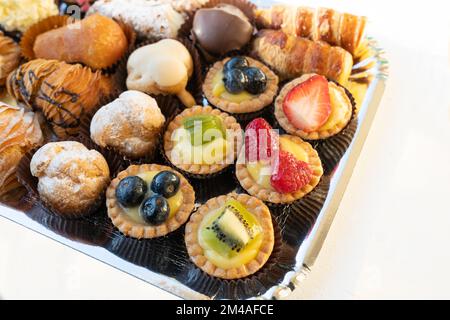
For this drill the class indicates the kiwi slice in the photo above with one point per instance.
(232, 229)
(204, 128)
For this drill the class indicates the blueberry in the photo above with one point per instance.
(131, 191)
(155, 210)
(235, 81)
(257, 80)
(165, 183)
(235, 63)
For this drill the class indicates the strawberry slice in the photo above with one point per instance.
(307, 106)
(261, 140)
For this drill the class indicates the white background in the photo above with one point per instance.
(391, 234)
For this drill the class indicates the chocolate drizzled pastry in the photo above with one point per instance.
(63, 92)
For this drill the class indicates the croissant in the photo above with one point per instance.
(19, 132)
(339, 29)
(291, 56)
(63, 92)
(9, 57)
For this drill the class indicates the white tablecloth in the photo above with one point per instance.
(391, 234)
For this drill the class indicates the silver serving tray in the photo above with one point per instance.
(375, 68)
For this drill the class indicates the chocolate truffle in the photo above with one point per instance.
(222, 29)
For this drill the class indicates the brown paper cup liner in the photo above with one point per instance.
(247, 7)
(195, 83)
(332, 150)
(29, 37)
(169, 256)
(24, 176)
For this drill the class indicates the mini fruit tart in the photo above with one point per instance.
(149, 201)
(202, 141)
(240, 85)
(230, 236)
(277, 169)
(313, 108)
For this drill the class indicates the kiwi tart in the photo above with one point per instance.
(202, 141)
(313, 108)
(240, 85)
(230, 236)
(149, 201)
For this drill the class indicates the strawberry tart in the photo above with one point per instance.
(278, 169)
(313, 108)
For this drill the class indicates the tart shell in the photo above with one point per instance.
(201, 170)
(253, 105)
(253, 188)
(127, 226)
(258, 209)
(315, 135)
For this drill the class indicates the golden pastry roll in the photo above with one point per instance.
(292, 56)
(336, 28)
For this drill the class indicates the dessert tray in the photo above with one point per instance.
(294, 225)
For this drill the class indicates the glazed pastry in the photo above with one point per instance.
(161, 68)
(19, 15)
(338, 29)
(97, 41)
(240, 85)
(313, 108)
(72, 178)
(131, 124)
(63, 92)
(19, 133)
(290, 56)
(277, 169)
(221, 29)
(230, 236)
(150, 19)
(9, 57)
(202, 141)
(149, 201)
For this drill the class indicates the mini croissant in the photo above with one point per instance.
(338, 29)
(291, 56)
(63, 92)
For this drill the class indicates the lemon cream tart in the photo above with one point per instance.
(313, 108)
(149, 201)
(230, 236)
(202, 140)
(240, 85)
(285, 169)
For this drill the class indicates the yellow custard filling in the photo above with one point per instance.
(220, 91)
(339, 107)
(219, 253)
(175, 201)
(184, 152)
(261, 171)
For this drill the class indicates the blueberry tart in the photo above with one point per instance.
(240, 85)
(230, 236)
(149, 201)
